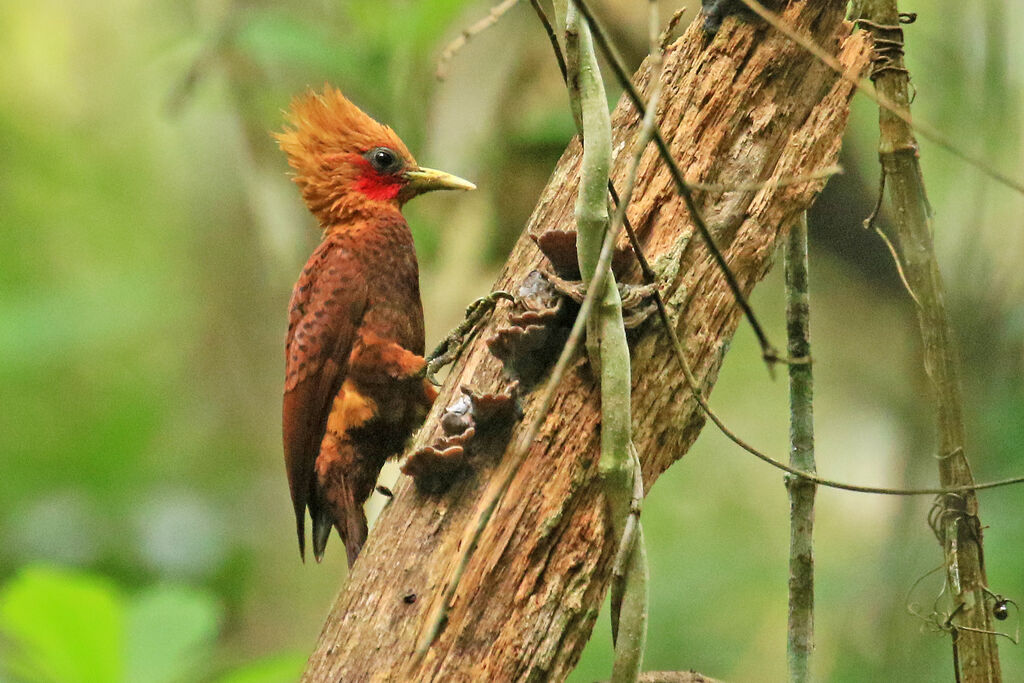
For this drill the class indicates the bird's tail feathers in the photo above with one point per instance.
(323, 520)
(355, 533)
(346, 515)
(300, 529)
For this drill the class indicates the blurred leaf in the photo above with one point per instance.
(62, 626)
(428, 21)
(282, 668)
(396, 24)
(544, 128)
(171, 631)
(271, 37)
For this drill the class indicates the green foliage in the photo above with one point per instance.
(170, 632)
(62, 626)
(273, 37)
(65, 626)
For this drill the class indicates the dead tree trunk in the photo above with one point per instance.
(748, 105)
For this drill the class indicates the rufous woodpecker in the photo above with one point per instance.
(354, 388)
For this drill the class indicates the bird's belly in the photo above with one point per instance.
(398, 412)
(352, 408)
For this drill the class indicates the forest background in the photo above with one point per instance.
(150, 238)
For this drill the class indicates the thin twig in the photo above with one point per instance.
(559, 57)
(923, 129)
(899, 266)
(666, 35)
(452, 48)
(871, 224)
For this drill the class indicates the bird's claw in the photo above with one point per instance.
(485, 304)
(434, 365)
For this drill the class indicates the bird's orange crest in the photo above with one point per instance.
(325, 145)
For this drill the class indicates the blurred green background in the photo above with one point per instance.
(150, 238)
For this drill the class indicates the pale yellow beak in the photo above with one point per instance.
(427, 179)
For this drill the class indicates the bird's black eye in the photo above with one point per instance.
(384, 160)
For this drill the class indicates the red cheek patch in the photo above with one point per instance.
(374, 185)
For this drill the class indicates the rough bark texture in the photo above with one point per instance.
(747, 105)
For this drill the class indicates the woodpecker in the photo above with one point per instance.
(354, 386)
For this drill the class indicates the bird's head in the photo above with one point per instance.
(345, 161)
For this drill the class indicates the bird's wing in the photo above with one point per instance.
(326, 309)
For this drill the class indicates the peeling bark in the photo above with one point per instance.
(749, 105)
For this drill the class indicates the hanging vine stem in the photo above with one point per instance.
(630, 573)
(800, 640)
(607, 346)
(632, 534)
(768, 352)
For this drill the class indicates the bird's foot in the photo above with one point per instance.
(451, 346)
